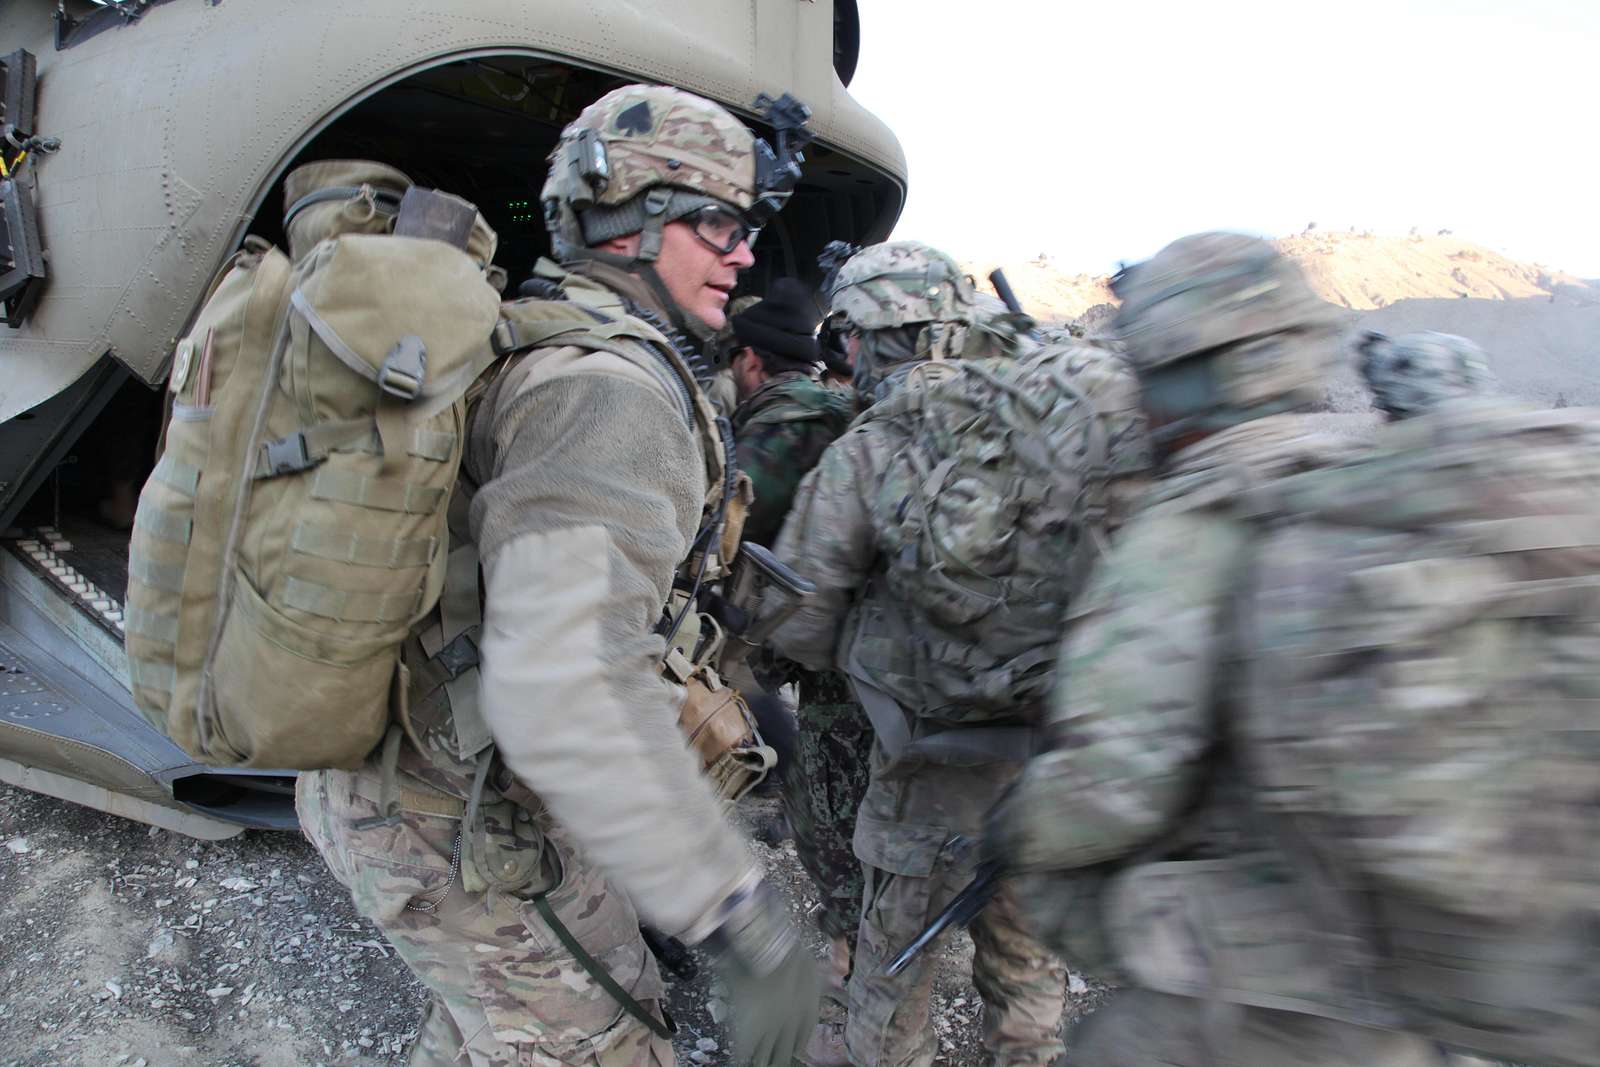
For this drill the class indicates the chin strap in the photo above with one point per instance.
(655, 210)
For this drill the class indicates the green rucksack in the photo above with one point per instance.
(293, 530)
(990, 516)
(1422, 720)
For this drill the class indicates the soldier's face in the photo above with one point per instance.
(748, 373)
(699, 277)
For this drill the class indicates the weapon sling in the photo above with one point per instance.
(597, 971)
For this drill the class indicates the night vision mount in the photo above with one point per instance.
(777, 173)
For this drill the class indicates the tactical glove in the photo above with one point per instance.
(771, 979)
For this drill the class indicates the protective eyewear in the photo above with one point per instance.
(720, 229)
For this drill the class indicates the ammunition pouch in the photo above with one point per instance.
(719, 727)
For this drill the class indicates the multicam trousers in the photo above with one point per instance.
(504, 990)
(822, 792)
(1021, 983)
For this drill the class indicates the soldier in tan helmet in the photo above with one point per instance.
(546, 800)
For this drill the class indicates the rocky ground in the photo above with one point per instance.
(126, 946)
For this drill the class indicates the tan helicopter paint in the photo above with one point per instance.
(173, 128)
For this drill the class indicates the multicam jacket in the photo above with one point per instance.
(1236, 818)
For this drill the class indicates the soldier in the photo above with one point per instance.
(906, 304)
(1411, 374)
(1305, 790)
(785, 417)
(784, 420)
(543, 792)
(723, 391)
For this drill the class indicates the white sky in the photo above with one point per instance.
(1099, 131)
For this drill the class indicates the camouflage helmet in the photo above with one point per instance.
(644, 155)
(1229, 326)
(901, 283)
(1410, 374)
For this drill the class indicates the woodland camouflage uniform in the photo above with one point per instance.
(544, 777)
(781, 430)
(917, 818)
(1145, 845)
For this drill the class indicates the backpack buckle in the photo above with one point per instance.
(504, 338)
(404, 368)
(287, 455)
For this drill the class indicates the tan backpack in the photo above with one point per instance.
(293, 530)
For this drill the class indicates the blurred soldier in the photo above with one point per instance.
(951, 709)
(785, 416)
(1310, 789)
(723, 392)
(1411, 374)
(543, 791)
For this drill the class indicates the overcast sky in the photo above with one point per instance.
(1099, 131)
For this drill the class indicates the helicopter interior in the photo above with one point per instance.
(480, 128)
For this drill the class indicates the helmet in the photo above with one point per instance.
(899, 283)
(643, 155)
(910, 302)
(1223, 328)
(1410, 374)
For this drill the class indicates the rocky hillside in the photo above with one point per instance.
(1541, 327)
(1355, 270)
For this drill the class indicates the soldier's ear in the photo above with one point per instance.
(626, 245)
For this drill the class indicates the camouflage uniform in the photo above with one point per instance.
(917, 818)
(541, 744)
(822, 792)
(1133, 813)
(781, 430)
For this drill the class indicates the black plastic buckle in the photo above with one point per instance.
(288, 455)
(459, 655)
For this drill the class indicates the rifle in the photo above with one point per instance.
(760, 594)
(1003, 290)
(1008, 297)
(962, 910)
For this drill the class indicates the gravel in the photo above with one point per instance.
(129, 946)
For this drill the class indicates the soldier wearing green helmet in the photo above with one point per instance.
(542, 801)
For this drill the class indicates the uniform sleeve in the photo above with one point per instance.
(1132, 716)
(599, 489)
(828, 538)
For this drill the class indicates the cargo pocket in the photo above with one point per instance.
(330, 696)
(385, 866)
(542, 999)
